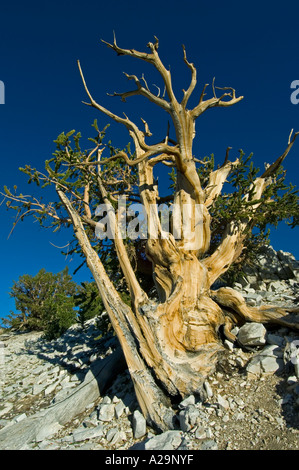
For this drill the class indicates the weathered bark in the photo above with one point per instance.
(229, 298)
(153, 402)
(170, 345)
(176, 341)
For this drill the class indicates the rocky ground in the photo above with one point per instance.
(250, 402)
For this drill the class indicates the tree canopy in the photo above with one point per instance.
(44, 302)
(51, 303)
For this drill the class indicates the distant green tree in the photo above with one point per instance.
(59, 315)
(44, 302)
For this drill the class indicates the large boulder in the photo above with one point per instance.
(252, 334)
(267, 361)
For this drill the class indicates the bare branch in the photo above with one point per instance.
(147, 131)
(125, 121)
(213, 87)
(145, 82)
(272, 168)
(144, 92)
(203, 93)
(86, 201)
(226, 155)
(183, 120)
(217, 179)
(161, 158)
(60, 247)
(159, 91)
(289, 140)
(192, 85)
(152, 58)
(215, 102)
(137, 294)
(154, 150)
(107, 290)
(156, 45)
(129, 52)
(86, 197)
(233, 235)
(150, 150)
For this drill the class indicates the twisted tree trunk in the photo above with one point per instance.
(172, 345)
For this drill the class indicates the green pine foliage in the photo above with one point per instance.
(279, 203)
(58, 315)
(44, 302)
(51, 303)
(73, 169)
(89, 302)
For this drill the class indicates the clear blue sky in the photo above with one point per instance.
(251, 46)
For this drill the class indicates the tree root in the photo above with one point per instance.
(237, 311)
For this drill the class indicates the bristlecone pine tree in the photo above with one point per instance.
(171, 343)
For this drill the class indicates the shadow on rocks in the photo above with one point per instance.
(288, 390)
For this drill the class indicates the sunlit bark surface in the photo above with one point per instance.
(173, 344)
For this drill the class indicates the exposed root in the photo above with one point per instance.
(228, 326)
(229, 298)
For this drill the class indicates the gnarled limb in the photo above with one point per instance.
(173, 342)
(227, 252)
(275, 165)
(153, 402)
(138, 296)
(231, 245)
(152, 58)
(215, 101)
(229, 298)
(192, 85)
(183, 119)
(217, 179)
(143, 91)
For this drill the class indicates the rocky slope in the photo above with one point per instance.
(251, 402)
